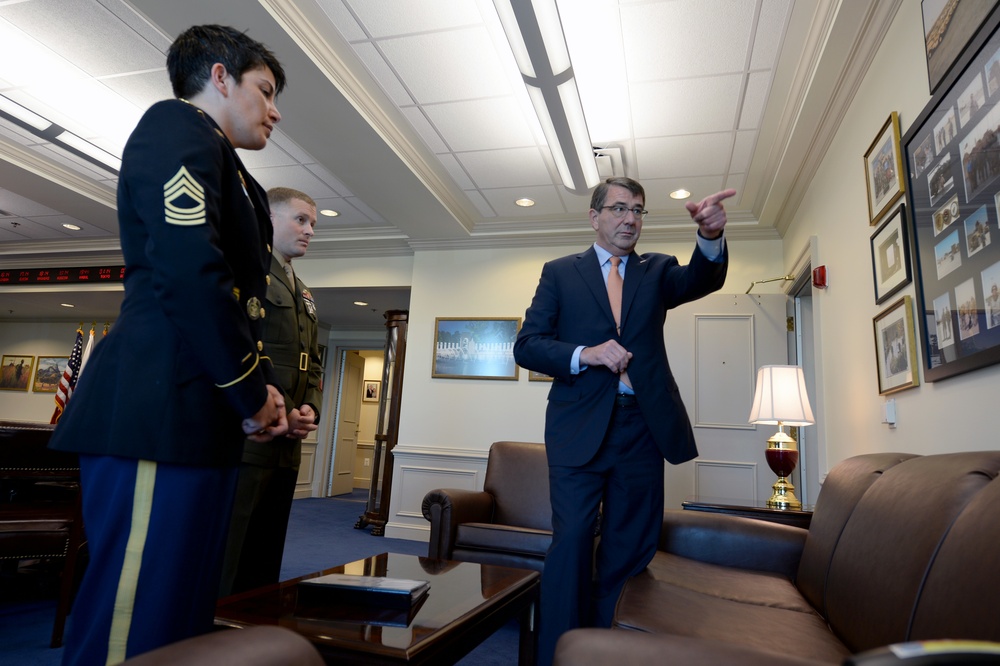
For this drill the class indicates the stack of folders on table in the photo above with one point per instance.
(377, 591)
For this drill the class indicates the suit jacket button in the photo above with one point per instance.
(267, 279)
(262, 313)
(260, 346)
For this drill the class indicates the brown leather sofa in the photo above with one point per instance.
(257, 646)
(508, 523)
(901, 548)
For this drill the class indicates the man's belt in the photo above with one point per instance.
(625, 400)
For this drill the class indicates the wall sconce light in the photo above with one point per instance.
(536, 37)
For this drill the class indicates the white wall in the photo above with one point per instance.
(472, 414)
(944, 416)
(35, 339)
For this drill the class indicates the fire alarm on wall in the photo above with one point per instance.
(819, 277)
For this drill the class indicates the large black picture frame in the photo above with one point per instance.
(951, 157)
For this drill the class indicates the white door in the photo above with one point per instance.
(348, 425)
(715, 346)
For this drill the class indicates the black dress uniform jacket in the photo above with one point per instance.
(183, 364)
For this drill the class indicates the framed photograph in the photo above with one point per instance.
(953, 206)
(475, 347)
(890, 256)
(948, 27)
(48, 372)
(535, 376)
(896, 348)
(16, 372)
(884, 170)
(371, 391)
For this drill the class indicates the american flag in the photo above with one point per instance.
(68, 381)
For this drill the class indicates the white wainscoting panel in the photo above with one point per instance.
(303, 484)
(724, 479)
(725, 370)
(418, 470)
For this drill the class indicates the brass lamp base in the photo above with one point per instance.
(784, 495)
(782, 456)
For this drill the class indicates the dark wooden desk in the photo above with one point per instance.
(466, 604)
(750, 509)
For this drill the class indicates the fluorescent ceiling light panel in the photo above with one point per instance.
(89, 149)
(27, 116)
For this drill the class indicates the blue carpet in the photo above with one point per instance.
(321, 534)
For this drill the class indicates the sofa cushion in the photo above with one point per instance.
(890, 544)
(663, 608)
(743, 585)
(958, 600)
(487, 536)
(846, 483)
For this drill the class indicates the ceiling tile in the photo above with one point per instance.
(296, 177)
(483, 124)
(758, 85)
(385, 18)
(55, 224)
(142, 89)
(270, 156)
(341, 17)
(22, 206)
(506, 168)
(448, 66)
(70, 28)
(456, 171)
(670, 40)
(675, 156)
(658, 191)
(770, 33)
(387, 78)
(546, 198)
(427, 132)
(665, 108)
(743, 151)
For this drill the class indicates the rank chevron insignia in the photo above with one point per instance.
(184, 199)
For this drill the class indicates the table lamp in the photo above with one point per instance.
(780, 399)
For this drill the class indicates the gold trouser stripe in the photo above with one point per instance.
(142, 504)
(242, 377)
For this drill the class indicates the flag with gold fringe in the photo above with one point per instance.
(68, 380)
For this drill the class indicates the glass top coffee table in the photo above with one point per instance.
(466, 603)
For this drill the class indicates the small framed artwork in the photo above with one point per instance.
(16, 372)
(884, 170)
(535, 376)
(896, 347)
(48, 372)
(371, 391)
(475, 347)
(948, 27)
(890, 257)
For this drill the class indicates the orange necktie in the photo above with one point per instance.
(615, 285)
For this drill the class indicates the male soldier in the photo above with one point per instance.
(269, 470)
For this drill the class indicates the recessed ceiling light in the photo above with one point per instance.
(72, 227)
(680, 194)
(67, 305)
(329, 212)
(362, 303)
(525, 202)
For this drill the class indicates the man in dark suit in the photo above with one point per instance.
(614, 410)
(270, 470)
(160, 416)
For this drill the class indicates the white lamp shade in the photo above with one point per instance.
(780, 397)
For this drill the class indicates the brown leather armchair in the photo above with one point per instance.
(508, 523)
(257, 646)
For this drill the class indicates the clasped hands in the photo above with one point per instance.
(610, 354)
(270, 421)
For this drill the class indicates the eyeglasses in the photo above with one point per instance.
(620, 211)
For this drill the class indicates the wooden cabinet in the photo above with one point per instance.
(387, 427)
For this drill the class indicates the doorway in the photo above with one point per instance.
(347, 441)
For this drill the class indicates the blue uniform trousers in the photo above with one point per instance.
(625, 481)
(156, 534)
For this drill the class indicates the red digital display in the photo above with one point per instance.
(62, 275)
